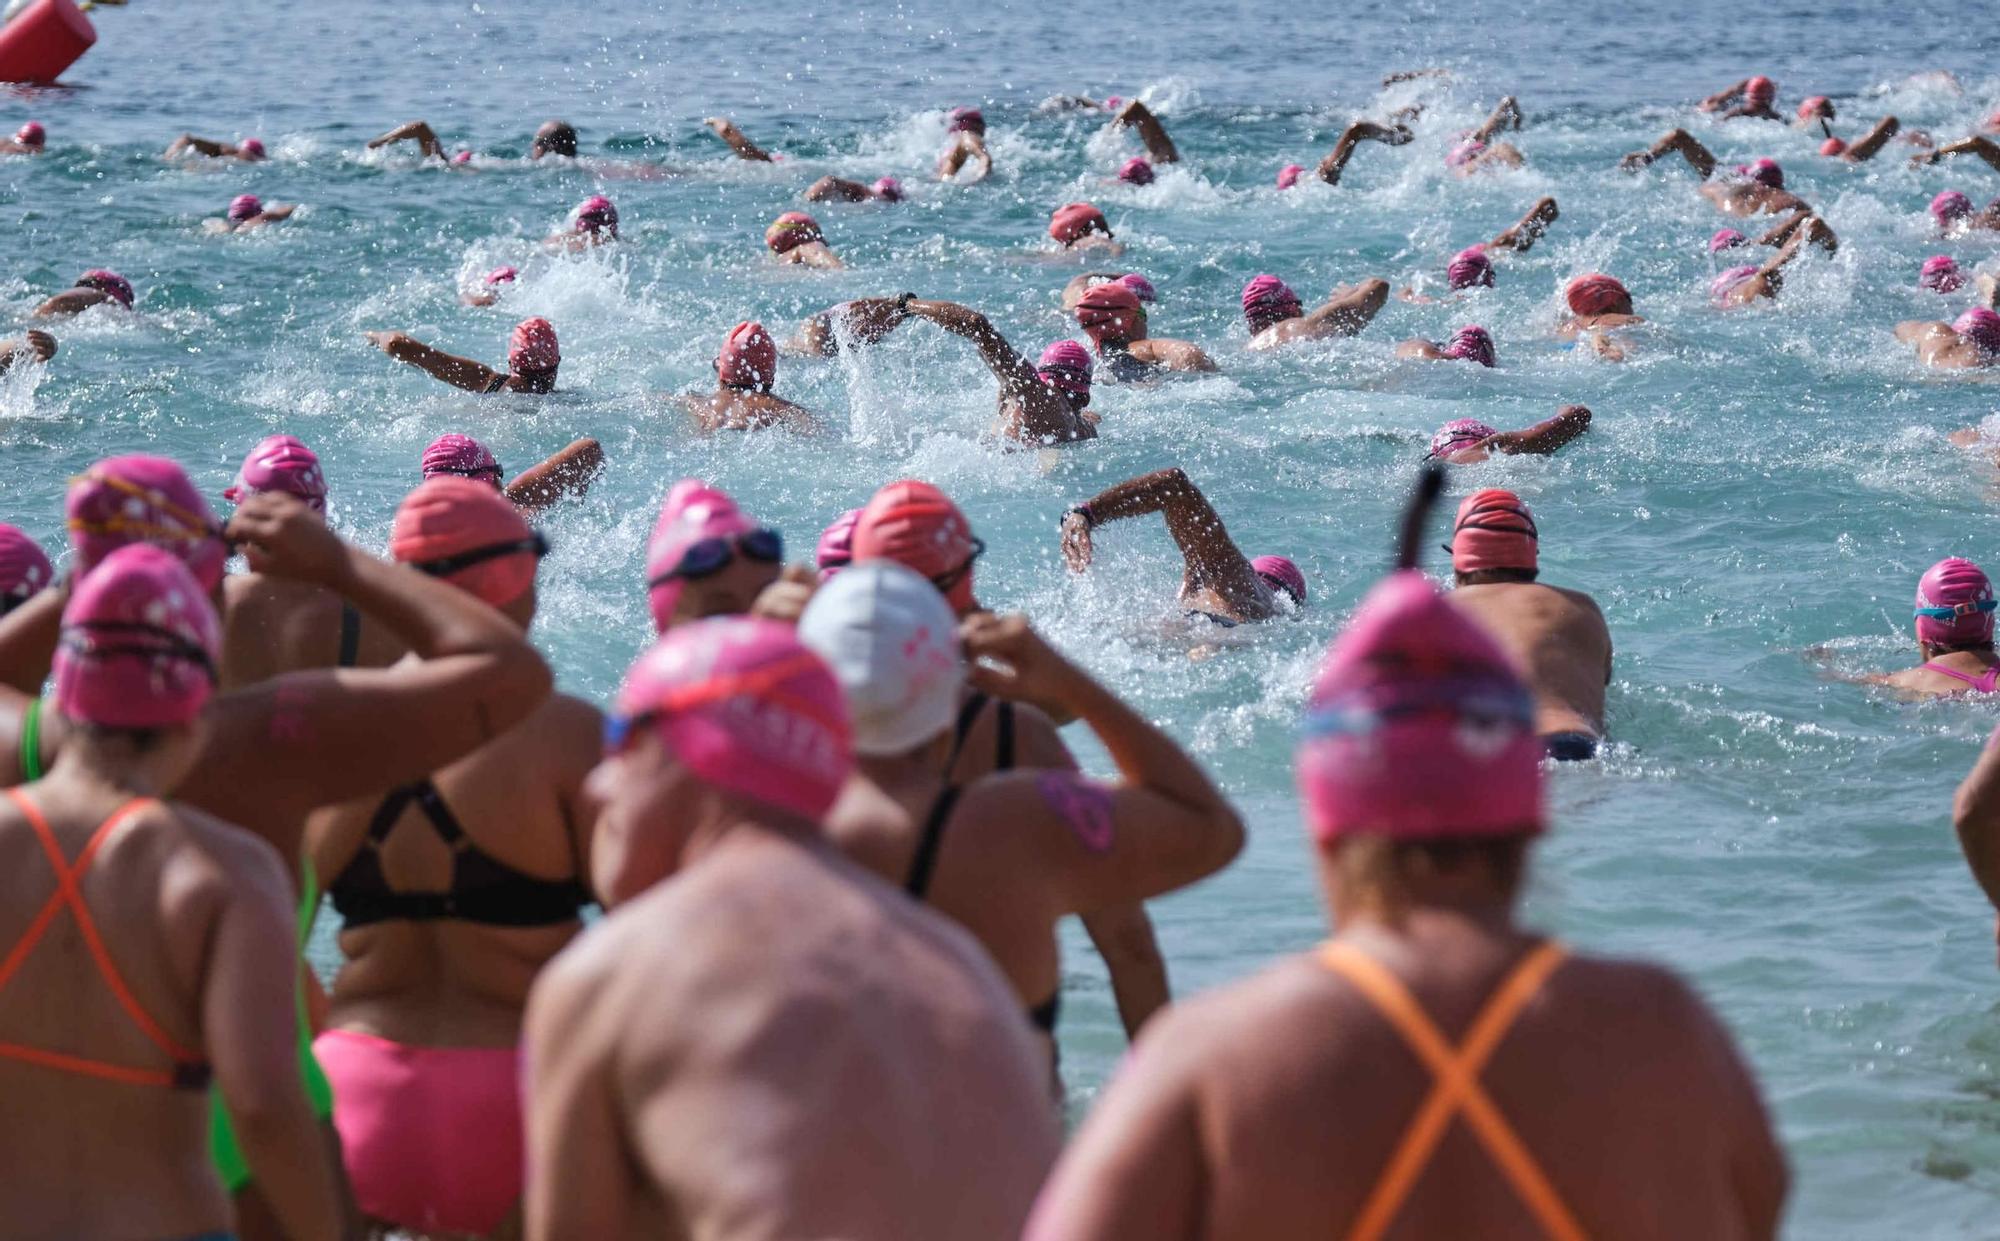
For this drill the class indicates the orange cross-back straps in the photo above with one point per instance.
(1457, 1089)
(190, 1070)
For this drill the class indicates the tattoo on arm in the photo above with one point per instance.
(1081, 804)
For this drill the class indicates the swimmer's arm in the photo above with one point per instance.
(30, 346)
(1978, 144)
(1506, 115)
(1913, 331)
(418, 131)
(28, 638)
(1411, 75)
(1353, 136)
(1349, 310)
(1525, 232)
(725, 129)
(1123, 936)
(452, 369)
(1724, 96)
(1599, 342)
(567, 474)
(1211, 557)
(1016, 377)
(578, 1184)
(1976, 818)
(1698, 156)
(70, 302)
(200, 146)
(1772, 273)
(1544, 437)
(1876, 139)
(1425, 349)
(1158, 145)
(836, 189)
(271, 215)
(1176, 355)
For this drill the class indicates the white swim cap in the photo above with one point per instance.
(892, 642)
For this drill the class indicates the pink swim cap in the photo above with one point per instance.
(966, 121)
(140, 499)
(1459, 433)
(1494, 530)
(461, 157)
(1268, 300)
(1810, 106)
(1941, 274)
(1595, 293)
(744, 707)
(251, 148)
(1289, 175)
(1111, 102)
(1760, 89)
(836, 545)
(1073, 222)
(790, 231)
(139, 643)
(1763, 172)
(1110, 310)
(109, 283)
(463, 456)
(1141, 287)
(1473, 344)
(244, 207)
(24, 568)
(693, 511)
(469, 535)
(1281, 573)
(31, 134)
(1982, 327)
(595, 214)
(280, 463)
(749, 358)
(1418, 728)
(918, 526)
(1724, 286)
(1832, 147)
(1066, 367)
(1954, 605)
(533, 349)
(1136, 171)
(501, 275)
(1469, 267)
(1726, 239)
(888, 189)
(1951, 205)
(1463, 153)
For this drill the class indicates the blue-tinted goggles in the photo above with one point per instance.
(710, 556)
(1956, 610)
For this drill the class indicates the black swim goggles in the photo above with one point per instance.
(445, 566)
(481, 473)
(950, 578)
(106, 639)
(707, 557)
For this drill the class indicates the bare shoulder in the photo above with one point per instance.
(237, 858)
(1648, 999)
(575, 717)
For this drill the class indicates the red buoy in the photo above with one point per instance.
(42, 40)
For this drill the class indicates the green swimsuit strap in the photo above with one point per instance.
(31, 742)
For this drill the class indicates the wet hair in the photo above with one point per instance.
(557, 138)
(1375, 870)
(1488, 577)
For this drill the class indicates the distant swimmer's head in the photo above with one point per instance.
(1595, 293)
(1816, 107)
(1066, 367)
(1726, 239)
(892, 643)
(245, 207)
(1268, 300)
(1833, 148)
(1289, 175)
(554, 138)
(139, 644)
(1760, 91)
(501, 275)
(888, 189)
(1073, 222)
(1463, 153)
(1495, 534)
(251, 148)
(1954, 608)
(791, 230)
(1471, 344)
(109, 283)
(1110, 314)
(473, 537)
(1136, 171)
(1982, 327)
(595, 215)
(1764, 172)
(917, 525)
(25, 570)
(1282, 573)
(1469, 268)
(1418, 729)
(280, 463)
(706, 556)
(1458, 435)
(1941, 274)
(1722, 289)
(1950, 207)
(32, 135)
(142, 499)
(965, 121)
(533, 353)
(835, 550)
(463, 456)
(1141, 287)
(749, 359)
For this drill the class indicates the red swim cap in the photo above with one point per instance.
(446, 518)
(1833, 148)
(917, 525)
(1072, 223)
(749, 358)
(1595, 293)
(1111, 310)
(792, 230)
(1494, 530)
(1760, 90)
(533, 349)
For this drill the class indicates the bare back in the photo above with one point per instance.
(275, 625)
(733, 410)
(1560, 641)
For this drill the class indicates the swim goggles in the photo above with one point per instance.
(947, 580)
(706, 557)
(1955, 610)
(447, 565)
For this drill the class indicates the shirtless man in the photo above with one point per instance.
(1276, 316)
(1479, 153)
(247, 213)
(1467, 441)
(30, 139)
(795, 237)
(1954, 621)
(1321, 1098)
(1219, 583)
(533, 357)
(1757, 95)
(112, 1139)
(1473, 266)
(97, 287)
(1111, 315)
(1599, 305)
(592, 224)
(250, 150)
(567, 474)
(838, 190)
(965, 130)
(1556, 637)
(702, 1062)
(1971, 341)
(1755, 188)
(1467, 344)
(31, 347)
(1081, 226)
(1038, 405)
(1335, 161)
(1160, 148)
(707, 557)
(742, 401)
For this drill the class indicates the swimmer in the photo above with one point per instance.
(1311, 1100)
(1288, 176)
(725, 129)
(30, 139)
(1160, 148)
(1746, 283)
(420, 133)
(966, 130)
(1468, 441)
(1219, 584)
(1757, 95)
(707, 557)
(452, 892)
(1008, 855)
(1136, 171)
(98, 287)
(250, 150)
(592, 224)
(491, 286)
(1599, 305)
(744, 372)
(1477, 152)
(1112, 316)
(1073, 292)
(1978, 144)
(1969, 342)
(195, 913)
(836, 190)
(1354, 135)
(728, 744)
(795, 237)
(533, 357)
(566, 475)
(1467, 344)
(1755, 188)
(1473, 266)
(32, 347)
(24, 568)
(1277, 317)
(1081, 226)
(1976, 819)
(1867, 147)
(1815, 110)
(248, 212)
(1955, 214)
(1039, 405)
(863, 321)
(1941, 274)
(557, 138)
(1954, 620)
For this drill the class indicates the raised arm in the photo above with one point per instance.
(837, 190)
(1816, 231)
(452, 369)
(1525, 232)
(1698, 156)
(1978, 144)
(1010, 368)
(28, 638)
(1874, 140)
(414, 131)
(567, 474)
(30, 346)
(725, 129)
(1351, 308)
(1544, 437)
(1724, 97)
(1211, 557)
(1335, 162)
(863, 321)
(188, 142)
(1158, 145)
(1506, 115)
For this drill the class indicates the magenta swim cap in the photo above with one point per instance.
(888, 189)
(1726, 239)
(280, 463)
(1982, 327)
(1268, 300)
(1760, 89)
(1810, 106)
(462, 455)
(141, 499)
(501, 275)
(965, 120)
(1954, 605)
(693, 511)
(1459, 433)
(596, 214)
(1833, 147)
(1469, 267)
(109, 283)
(1281, 573)
(1950, 205)
(251, 147)
(1471, 344)
(139, 642)
(836, 545)
(31, 134)
(744, 707)
(1464, 153)
(1418, 728)
(24, 568)
(1941, 274)
(1763, 172)
(1289, 175)
(1141, 287)
(1066, 367)
(1725, 285)
(1136, 171)
(244, 207)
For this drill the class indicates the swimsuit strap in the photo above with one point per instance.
(443, 821)
(1044, 1016)
(31, 742)
(1984, 684)
(1457, 1088)
(925, 860)
(350, 635)
(961, 731)
(190, 1069)
(1003, 724)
